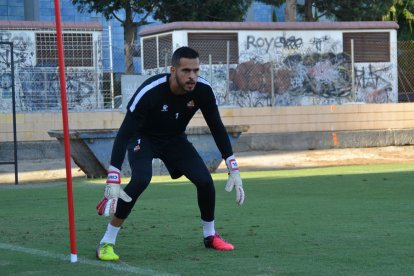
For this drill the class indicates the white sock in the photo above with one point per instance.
(110, 234)
(208, 228)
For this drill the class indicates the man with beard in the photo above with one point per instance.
(154, 125)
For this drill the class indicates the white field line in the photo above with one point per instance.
(109, 265)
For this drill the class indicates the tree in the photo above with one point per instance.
(362, 10)
(111, 9)
(290, 7)
(290, 11)
(165, 10)
(276, 3)
(207, 10)
(310, 12)
(337, 10)
(402, 12)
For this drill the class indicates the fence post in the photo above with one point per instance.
(158, 53)
(352, 72)
(272, 84)
(227, 96)
(15, 161)
(210, 67)
(166, 62)
(16, 170)
(111, 66)
(97, 73)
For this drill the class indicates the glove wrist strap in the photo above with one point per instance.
(114, 176)
(232, 164)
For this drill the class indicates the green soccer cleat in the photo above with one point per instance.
(105, 252)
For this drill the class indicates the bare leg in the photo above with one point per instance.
(117, 222)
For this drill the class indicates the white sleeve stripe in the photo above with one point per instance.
(207, 83)
(144, 90)
(203, 81)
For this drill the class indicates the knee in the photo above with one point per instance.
(206, 185)
(134, 189)
(137, 185)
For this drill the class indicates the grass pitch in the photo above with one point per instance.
(355, 220)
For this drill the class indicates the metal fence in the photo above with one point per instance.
(406, 71)
(297, 74)
(239, 79)
(90, 76)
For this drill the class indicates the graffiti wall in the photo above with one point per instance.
(308, 68)
(291, 67)
(37, 87)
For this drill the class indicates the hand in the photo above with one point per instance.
(234, 179)
(113, 191)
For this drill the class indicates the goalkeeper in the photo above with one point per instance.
(154, 125)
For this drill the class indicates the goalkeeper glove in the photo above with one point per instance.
(234, 179)
(113, 191)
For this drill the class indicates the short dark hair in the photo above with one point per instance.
(183, 52)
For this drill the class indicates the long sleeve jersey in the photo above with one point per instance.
(154, 110)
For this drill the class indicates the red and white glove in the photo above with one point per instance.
(113, 191)
(234, 179)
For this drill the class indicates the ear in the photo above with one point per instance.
(172, 69)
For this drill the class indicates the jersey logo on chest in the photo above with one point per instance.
(164, 108)
(190, 105)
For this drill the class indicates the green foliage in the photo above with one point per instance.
(402, 12)
(207, 10)
(274, 16)
(362, 10)
(276, 3)
(110, 8)
(169, 10)
(339, 10)
(354, 220)
(164, 10)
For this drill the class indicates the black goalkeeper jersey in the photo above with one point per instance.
(154, 110)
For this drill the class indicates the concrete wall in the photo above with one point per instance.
(353, 117)
(281, 128)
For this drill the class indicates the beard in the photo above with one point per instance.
(187, 86)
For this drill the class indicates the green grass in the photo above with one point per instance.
(355, 220)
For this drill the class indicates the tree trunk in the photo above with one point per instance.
(290, 11)
(308, 11)
(129, 39)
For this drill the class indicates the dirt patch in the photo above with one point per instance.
(323, 158)
(38, 171)
(50, 170)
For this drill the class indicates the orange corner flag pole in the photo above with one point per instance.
(61, 62)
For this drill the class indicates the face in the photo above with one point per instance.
(184, 76)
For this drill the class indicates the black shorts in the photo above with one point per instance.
(178, 154)
(180, 158)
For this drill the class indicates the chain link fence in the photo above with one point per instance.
(298, 75)
(405, 71)
(6, 76)
(255, 79)
(91, 82)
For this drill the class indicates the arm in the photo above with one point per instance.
(125, 132)
(113, 191)
(212, 116)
